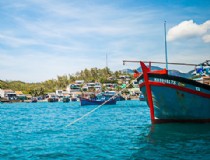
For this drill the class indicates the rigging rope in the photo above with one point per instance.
(85, 115)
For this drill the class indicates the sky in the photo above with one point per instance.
(41, 39)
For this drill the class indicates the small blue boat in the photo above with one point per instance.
(95, 101)
(141, 97)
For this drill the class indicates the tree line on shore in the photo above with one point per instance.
(61, 82)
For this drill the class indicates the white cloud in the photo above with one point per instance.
(206, 38)
(189, 29)
(16, 41)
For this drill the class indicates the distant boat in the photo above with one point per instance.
(66, 99)
(34, 100)
(175, 99)
(141, 97)
(109, 94)
(73, 99)
(53, 99)
(95, 101)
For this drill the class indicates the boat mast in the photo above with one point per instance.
(166, 56)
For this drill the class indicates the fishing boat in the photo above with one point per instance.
(66, 99)
(34, 100)
(173, 98)
(73, 99)
(141, 97)
(97, 101)
(52, 99)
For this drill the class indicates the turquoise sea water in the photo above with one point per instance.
(122, 131)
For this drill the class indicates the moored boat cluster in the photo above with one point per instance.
(76, 91)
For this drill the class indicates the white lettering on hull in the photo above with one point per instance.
(168, 81)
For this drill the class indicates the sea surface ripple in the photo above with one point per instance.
(123, 131)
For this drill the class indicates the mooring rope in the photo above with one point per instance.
(85, 115)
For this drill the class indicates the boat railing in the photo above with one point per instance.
(150, 62)
(205, 66)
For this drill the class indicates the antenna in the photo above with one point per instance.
(166, 56)
(106, 61)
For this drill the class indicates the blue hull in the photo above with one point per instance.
(97, 102)
(173, 104)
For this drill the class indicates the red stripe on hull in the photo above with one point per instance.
(148, 90)
(177, 87)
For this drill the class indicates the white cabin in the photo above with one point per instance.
(8, 93)
(73, 88)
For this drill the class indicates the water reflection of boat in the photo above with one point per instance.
(177, 132)
(173, 141)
